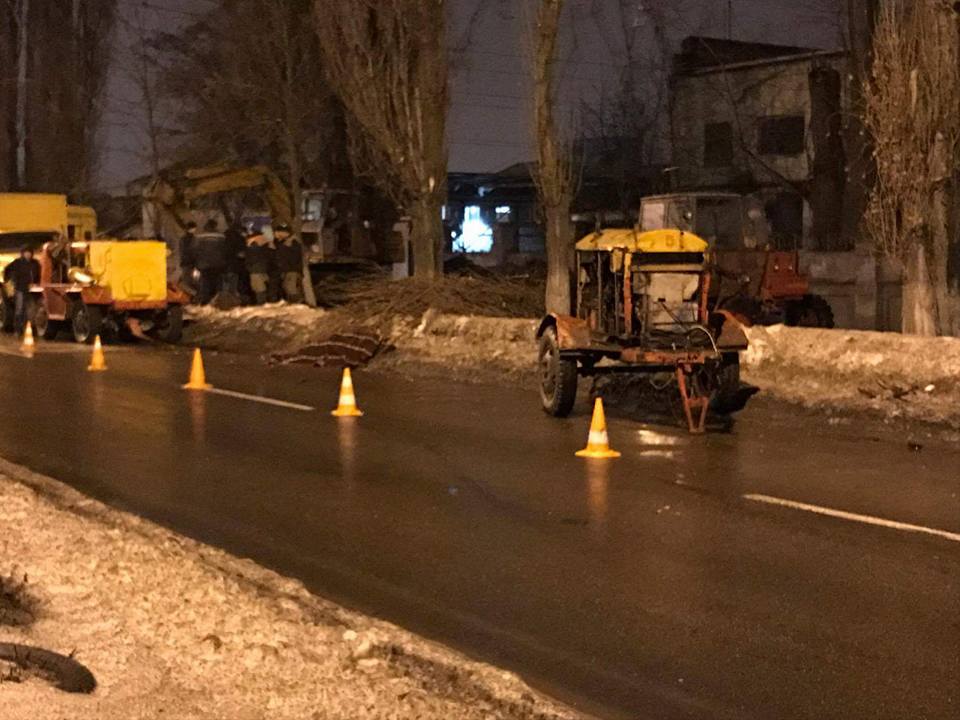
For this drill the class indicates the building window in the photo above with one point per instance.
(782, 135)
(717, 145)
(504, 214)
(785, 215)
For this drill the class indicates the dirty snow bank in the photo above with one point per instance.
(172, 628)
(276, 327)
(467, 346)
(897, 375)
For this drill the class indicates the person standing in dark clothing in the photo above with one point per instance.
(211, 260)
(22, 273)
(289, 262)
(259, 258)
(235, 248)
(188, 250)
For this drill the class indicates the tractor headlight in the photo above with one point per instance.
(81, 276)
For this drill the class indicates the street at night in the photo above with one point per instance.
(666, 584)
(480, 360)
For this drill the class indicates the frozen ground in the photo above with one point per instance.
(895, 375)
(174, 629)
(898, 376)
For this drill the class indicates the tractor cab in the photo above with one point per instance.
(755, 275)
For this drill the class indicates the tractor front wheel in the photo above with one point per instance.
(87, 322)
(558, 376)
(46, 328)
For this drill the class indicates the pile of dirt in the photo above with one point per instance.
(376, 300)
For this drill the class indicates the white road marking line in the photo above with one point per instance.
(855, 517)
(12, 353)
(259, 399)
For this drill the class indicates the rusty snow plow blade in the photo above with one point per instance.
(136, 329)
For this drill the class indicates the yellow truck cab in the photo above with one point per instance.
(27, 220)
(91, 286)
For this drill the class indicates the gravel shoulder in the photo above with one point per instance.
(173, 628)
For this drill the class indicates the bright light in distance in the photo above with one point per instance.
(476, 236)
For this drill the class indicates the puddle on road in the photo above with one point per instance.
(347, 447)
(598, 485)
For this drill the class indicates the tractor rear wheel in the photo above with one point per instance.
(727, 387)
(558, 376)
(811, 311)
(169, 325)
(87, 322)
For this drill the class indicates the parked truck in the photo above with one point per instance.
(88, 285)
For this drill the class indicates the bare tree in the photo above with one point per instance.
(268, 105)
(860, 169)
(387, 62)
(911, 114)
(55, 61)
(625, 120)
(555, 173)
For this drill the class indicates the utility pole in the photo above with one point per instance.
(22, 60)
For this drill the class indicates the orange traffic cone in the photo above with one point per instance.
(347, 406)
(97, 362)
(598, 445)
(198, 379)
(28, 342)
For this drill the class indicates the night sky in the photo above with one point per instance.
(489, 114)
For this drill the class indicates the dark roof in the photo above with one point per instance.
(699, 53)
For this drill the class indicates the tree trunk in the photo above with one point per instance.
(427, 236)
(23, 57)
(296, 222)
(919, 298)
(940, 257)
(559, 251)
(858, 146)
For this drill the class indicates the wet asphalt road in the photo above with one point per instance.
(647, 587)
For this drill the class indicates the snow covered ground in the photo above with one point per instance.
(898, 376)
(175, 629)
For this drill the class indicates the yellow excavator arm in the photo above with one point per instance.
(203, 182)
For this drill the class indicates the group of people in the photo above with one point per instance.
(265, 264)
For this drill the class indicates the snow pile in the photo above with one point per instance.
(260, 329)
(465, 346)
(898, 375)
(175, 629)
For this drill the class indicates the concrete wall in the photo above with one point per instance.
(864, 294)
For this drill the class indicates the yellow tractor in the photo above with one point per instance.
(642, 307)
(93, 286)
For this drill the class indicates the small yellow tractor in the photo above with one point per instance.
(642, 307)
